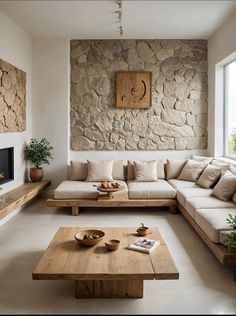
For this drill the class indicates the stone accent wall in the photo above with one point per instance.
(178, 116)
(12, 98)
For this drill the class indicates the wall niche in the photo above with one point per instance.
(177, 118)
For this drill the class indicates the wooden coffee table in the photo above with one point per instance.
(99, 273)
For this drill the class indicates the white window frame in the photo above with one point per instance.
(226, 112)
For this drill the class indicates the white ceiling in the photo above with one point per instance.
(140, 19)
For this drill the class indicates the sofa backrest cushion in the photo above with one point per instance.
(160, 169)
(174, 168)
(145, 171)
(209, 176)
(226, 187)
(100, 170)
(201, 158)
(192, 170)
(78, 170)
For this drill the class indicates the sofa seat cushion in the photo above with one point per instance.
(177, 184)
(212, 221)
(79, 190)
(206, 202)
(160, 189)
(183, 194)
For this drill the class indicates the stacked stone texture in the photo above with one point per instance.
(12, 98)
(177, 118)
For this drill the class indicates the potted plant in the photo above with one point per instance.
(38, 152)
(142, 230)
(230, 240)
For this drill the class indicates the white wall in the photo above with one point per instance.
(221, 47)
(16, 48)
(51, 101)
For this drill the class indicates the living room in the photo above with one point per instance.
(118, 91)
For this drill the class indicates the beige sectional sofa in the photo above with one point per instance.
(204, 211)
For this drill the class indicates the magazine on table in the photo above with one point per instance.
(144, 244)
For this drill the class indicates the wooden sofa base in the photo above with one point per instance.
(222, 254)
(75, 204)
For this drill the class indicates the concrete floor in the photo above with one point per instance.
(204, 287)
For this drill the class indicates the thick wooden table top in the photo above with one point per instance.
(66, 259)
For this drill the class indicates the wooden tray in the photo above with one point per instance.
(110, 190)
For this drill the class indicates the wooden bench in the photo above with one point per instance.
(117, 200)
(21, 195)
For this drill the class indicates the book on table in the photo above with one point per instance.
(144, 245)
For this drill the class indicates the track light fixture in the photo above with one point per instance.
(119, 13)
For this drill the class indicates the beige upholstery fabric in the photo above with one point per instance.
(212, 221)
(226, 187)
(78, 170)
(207, 202)
(234, 198)
(151, 190)
(118, 171)
(174, 168)
(160, 169)
(224, 234)
(79, 190)
(192, 170)
(222, 165)
(145, 171)
(177, 184)
(100, 170)
(232, 169)
(209, 176)
(202, 158)
(183, 194)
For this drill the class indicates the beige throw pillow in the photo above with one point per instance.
(78, 170)
(192, 170)
(100, 170)
(145, 171)
(232, 169)
(209, 176)
(234, 198)
(222, 165)
(226, 187)
(174, 168)
(160, 169)
(201, 158)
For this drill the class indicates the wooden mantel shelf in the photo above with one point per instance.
(21, 195)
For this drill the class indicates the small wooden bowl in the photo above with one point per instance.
(112, 244)
(143, 232)
(89, 242)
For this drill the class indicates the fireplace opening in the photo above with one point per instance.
(6, 165)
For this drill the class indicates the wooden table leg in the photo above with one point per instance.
(109, 288)
(75, 210)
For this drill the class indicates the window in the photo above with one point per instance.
(230, 110)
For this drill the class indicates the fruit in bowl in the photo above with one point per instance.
(89, 238)
(109, 185)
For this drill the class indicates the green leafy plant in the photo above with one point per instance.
(233, 138)
(142, 226)
(38, 152)
(230, 240)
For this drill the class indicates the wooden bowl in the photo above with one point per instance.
(112, 244)
(89, 242)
